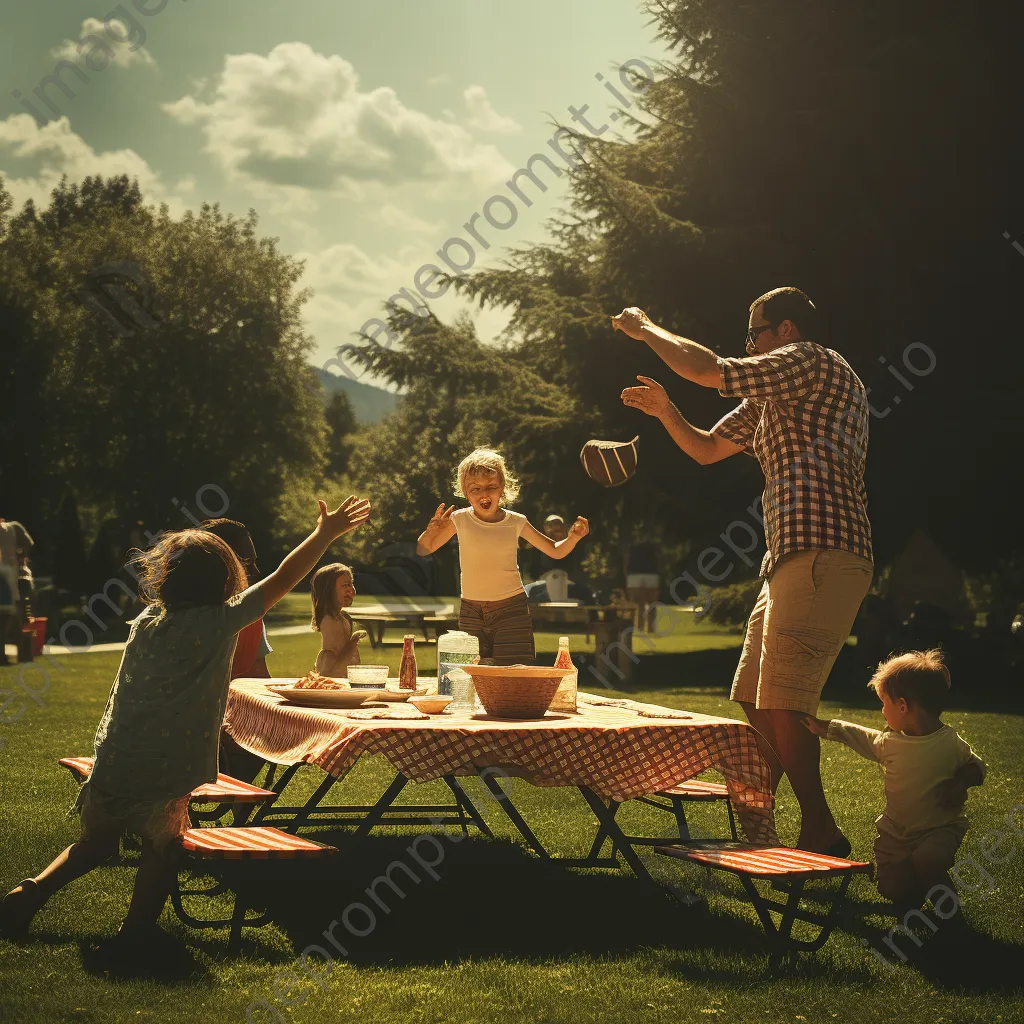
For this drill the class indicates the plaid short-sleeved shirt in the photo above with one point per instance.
(804, 417)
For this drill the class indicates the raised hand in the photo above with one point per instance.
(439, 520)
(352, 512)
(651, 398)
(632, 321)
(580, 528)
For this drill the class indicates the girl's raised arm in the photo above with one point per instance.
(555, 549)
(440, 530)
(330, 526)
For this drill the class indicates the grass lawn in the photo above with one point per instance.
(500, 936)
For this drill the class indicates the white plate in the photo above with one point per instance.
(327, 698)
(395, 696)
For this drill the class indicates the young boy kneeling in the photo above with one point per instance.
(928, 769)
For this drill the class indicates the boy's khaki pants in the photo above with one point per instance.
(926, 858)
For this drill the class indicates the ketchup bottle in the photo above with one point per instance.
(407, 673)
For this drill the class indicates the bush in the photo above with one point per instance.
(731, 605)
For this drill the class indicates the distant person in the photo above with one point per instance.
(643, 581)
(579, 588)
(804, 417)
(15, 583)
(333, 590)
(250, 660)
(495, 608)
(928, 770)
(158, 738)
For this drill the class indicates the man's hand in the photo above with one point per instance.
(351, 513)
(651, 398)
(579, 529)
(819, 726)
(632, 321)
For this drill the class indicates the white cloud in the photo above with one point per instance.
(120, 45)
(53, 150)
(395, 217)
(483, 116)
(297, 119)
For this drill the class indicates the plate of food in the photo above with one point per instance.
(400, 695)
(317, 691)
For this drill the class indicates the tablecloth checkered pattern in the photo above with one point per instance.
(609, 748)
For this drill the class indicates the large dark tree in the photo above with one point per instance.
(867, 152)
(213, 392)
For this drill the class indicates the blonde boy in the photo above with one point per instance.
(928, 770)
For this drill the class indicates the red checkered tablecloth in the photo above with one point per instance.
(618, 749)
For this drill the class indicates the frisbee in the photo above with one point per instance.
(610, 463)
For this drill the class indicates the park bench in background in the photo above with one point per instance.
(786, 867)
(423, 615)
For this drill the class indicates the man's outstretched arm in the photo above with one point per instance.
(702, 446)
(690, 360)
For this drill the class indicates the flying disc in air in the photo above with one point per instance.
(610, 463)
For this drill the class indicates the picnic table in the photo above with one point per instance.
(611, 625)
(422, 615)
(610, 751)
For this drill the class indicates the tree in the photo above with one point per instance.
(214, 395)
(858, 150)
(341, 425)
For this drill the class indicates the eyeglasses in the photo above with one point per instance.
(752, 335)
(755, 332)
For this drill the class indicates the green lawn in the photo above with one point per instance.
(500, 936)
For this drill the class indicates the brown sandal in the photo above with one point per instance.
(18, 908)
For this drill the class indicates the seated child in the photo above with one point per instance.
(250, 661)
(928, 769)
(495, 607)
(157, 740)
(333, 591)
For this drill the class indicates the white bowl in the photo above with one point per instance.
(372, 677)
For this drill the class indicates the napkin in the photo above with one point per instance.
(396, 711)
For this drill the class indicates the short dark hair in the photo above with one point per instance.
(919, 677)
(789, 304)
(236, 536)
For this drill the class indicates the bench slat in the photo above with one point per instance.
(764, 861)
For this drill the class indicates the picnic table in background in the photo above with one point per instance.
(611, 751)
(611, 625)
(423, 615)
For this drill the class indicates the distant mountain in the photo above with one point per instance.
(369, 404)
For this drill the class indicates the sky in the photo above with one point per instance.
(365, 135)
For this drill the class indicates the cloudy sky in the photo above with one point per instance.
(364, 134)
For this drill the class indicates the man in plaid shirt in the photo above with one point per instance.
(804, 417)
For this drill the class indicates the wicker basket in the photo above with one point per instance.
(515, 691)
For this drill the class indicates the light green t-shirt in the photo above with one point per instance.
(159, 735)
(914, 768)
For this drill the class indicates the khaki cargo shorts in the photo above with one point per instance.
(801, 619)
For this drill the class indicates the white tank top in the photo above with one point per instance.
(488, 555)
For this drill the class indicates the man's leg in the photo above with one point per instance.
(813, 599)
(744, 687)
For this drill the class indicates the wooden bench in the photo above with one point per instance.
(226, 794)
(778, 864)
(206, 850)
(423, 616)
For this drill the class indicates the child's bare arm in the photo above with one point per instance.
(577, 532)
(297, 563)
(440, 530)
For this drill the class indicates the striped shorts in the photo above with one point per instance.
(504, 629)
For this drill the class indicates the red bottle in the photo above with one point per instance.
(407, 673)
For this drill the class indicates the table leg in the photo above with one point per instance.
(605, 815)
(467, 808)
(387, 799)
(511, 812)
